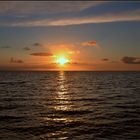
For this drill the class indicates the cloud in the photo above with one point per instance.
(33, 10)
(64, 21)
(26, 48)
(131, 60)
(89, 43)
(12, 60)
(92, 43)
(41, 54)
(107, 17)
(37, 44)
(75, 63)
(105, 59)
(5, 47)
(63, 48)
(29, 66)
(44, 7)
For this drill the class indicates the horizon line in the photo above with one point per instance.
(69, 70)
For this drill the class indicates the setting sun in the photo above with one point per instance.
(62, 60)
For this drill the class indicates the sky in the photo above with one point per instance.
(87, 35)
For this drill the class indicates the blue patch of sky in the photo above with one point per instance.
(110, 7)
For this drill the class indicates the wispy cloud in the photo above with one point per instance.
(111, 17)
(37, 44)
(131, 60)
(26, 48)
(41, 54)
(5, 47)
(64, 48)
(105, 59)
(12, 60)
(44, 7)
(90, 44)
(38, 13)
(29, 66)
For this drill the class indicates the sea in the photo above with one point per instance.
(69, 105)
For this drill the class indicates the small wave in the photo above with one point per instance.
(9, 107)
(38, 130)
(75, 100)
(127, 106)
(73, 112)
(13, 83)
(11, 118)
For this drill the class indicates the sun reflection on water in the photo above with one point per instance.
(62, 105)
(62, 97)
(60, 108)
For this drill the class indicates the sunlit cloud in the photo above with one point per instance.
(105, 59)
(130, 60)
(41, 54)
(109, 17)
(127, 15)
(29, 67)
(64, 48)
(21, 8)
(74, 52)
(77, 63)
(12, 60)
(90, 44)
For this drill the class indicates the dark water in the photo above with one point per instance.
(70, 105)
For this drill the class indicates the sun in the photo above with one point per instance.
(62, 60)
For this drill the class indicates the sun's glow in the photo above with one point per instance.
(62, 60)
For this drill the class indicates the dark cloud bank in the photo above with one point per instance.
(130, 60)
(12, 60)
(41, 54)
